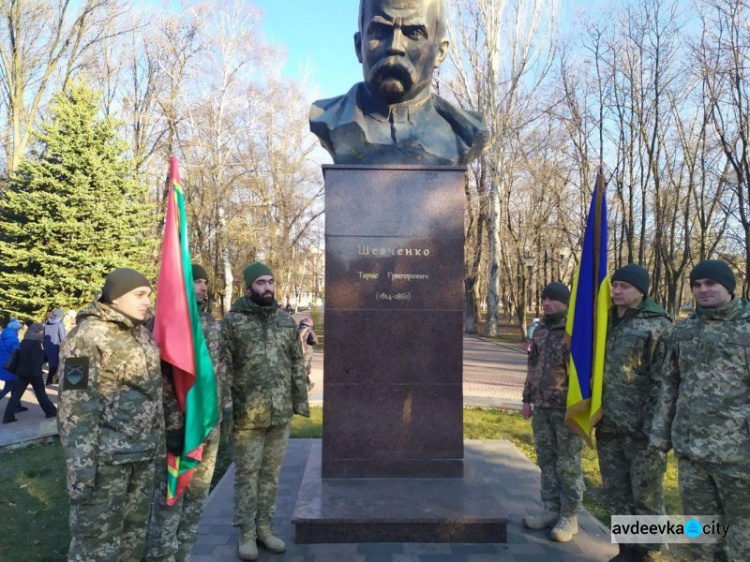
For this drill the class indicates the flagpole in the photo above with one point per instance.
(599, 191)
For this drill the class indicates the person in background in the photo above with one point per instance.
(307, 339)
(54, 334)
(8, 344)
(29, 371)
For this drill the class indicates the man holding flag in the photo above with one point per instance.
(637, 336)
(184, 352)
(266, 374)
(173, 529)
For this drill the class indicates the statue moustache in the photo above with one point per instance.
(392, 69)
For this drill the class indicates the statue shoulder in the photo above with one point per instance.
(329, 111)
(467, 124)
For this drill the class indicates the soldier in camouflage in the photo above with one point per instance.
(111, 422)
(704, 409)
(558, 448)
(266, 375)
(637, 335)
(173, 529)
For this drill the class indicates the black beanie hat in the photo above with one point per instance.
(716, 270)
(255, 270)
(633, 274)
(199, 272)
(121, 281)
(557, 291)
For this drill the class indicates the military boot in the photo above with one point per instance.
(642, 554)
(566, 527)
(545, 518)
(247, 549)
(625, 554)
(270, 541)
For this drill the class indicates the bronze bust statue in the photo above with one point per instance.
(393, 117)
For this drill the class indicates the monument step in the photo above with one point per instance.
(370, 510)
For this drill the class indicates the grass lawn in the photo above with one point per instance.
(34, 503)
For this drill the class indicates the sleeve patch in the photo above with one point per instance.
(76, 373)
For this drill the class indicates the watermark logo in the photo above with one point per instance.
(693, 528)
(646, 529)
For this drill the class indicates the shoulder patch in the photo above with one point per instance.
(76, 373)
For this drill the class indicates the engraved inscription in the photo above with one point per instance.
(365, 250)
(393, 296)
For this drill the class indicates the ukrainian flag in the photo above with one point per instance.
(587, 321)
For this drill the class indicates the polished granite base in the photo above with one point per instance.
(394, 322)
(367, 510)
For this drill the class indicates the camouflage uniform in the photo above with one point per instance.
(111, 428)
(266, 375)
(174, 529)
(558, 448)
(704, 414)
(632, 472)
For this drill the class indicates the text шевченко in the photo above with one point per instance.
(385, 252)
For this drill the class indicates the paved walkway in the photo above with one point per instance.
(32, 425)
(518, 486)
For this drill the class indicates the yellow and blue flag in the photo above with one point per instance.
(587, 321)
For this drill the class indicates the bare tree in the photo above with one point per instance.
(503, 51)
(723, 57)
(40, 45)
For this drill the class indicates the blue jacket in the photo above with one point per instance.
(8, 344)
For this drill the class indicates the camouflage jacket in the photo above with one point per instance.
(110, 409)
(265, 368)
(547, 379)
(173, 415)
(704, 404)
(212, 333)
(635, 351)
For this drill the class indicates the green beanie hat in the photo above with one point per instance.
(633, 274)
(121, 281)
(199, 272)
(255, 270)
(716, 270)
(557, 291)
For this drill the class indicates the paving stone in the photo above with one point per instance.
(592, 542)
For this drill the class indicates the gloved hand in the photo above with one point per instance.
(176, 441)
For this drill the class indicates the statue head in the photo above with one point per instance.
(400, 43)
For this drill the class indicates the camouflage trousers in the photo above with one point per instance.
(707, 491)
(258, 455)
(172, 531)
(558, 453)
(632, 475)
(110, 525)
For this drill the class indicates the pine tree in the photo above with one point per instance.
(75, 211)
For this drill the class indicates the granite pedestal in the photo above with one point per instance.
(392, 466)
(394, 319)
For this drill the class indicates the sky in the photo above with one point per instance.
(318, 34)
